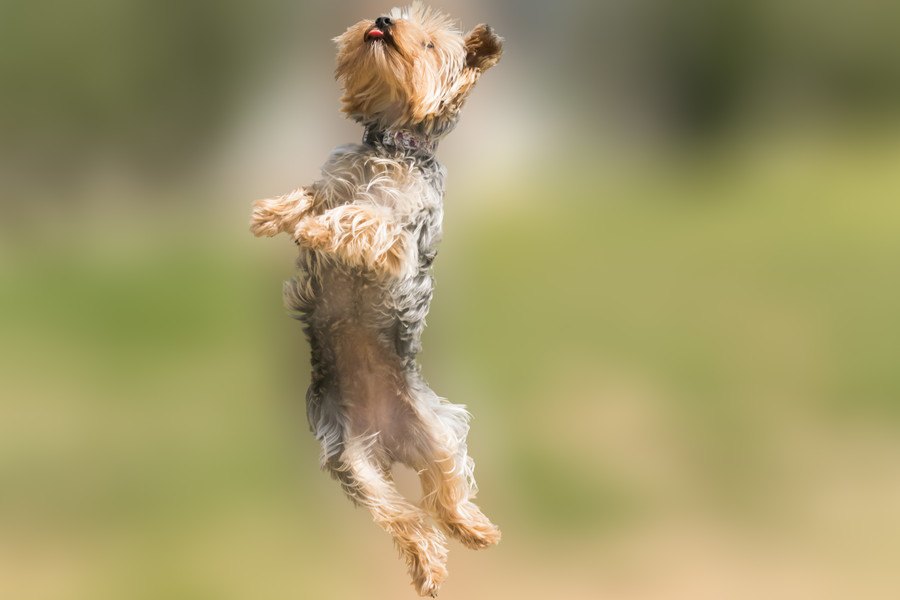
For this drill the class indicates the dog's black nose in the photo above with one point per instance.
(383, 22)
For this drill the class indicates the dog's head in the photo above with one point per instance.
(411, 68)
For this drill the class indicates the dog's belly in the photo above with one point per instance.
(366, 335)
(371, 387)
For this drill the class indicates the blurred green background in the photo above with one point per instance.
(668, 291)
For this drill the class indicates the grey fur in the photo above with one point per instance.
(344, 304)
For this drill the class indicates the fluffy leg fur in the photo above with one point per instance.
(272, 216)
(447, 497)
(362, 236)
(446, 472)
(366, 483)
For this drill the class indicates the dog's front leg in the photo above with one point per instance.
(272, 216)
(360, 235)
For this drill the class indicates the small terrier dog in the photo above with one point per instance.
(367, 233)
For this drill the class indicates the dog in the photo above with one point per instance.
(367, 234)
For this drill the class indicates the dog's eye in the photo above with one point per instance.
(429, 45)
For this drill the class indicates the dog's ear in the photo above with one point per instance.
(483, 48)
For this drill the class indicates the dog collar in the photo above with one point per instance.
(403, 140)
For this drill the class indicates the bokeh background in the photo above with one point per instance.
(668, 291)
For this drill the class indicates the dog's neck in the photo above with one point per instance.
(403, 141)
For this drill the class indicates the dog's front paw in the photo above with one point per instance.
(313, 234)
(358, 243)
(264, 222)
(271, 216)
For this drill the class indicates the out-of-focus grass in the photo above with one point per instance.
(748, 293)
(649, 354)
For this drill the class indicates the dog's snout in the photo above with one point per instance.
(383, 22)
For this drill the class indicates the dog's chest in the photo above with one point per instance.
(408, 190)
(425, 220)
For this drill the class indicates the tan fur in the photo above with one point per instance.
(447, 497)
(363, 236)
(423, 548)
(412, 83)
(272, 216)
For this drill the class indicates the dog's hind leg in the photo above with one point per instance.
(447, 472)
(367, 482)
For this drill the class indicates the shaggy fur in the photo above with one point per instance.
(368, 233)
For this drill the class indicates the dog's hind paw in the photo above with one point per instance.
(474, 530)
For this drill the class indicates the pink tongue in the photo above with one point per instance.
(376, 33)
